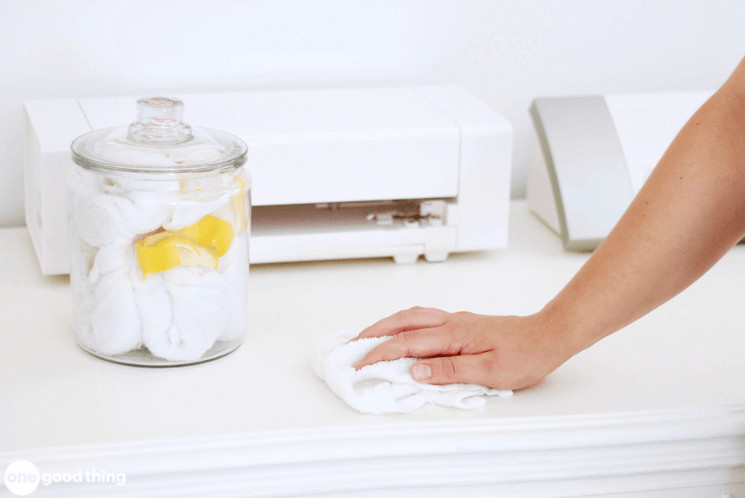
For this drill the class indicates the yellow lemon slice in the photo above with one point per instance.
(194, 255)
(172, 252)
(199, 244)
(213, 233)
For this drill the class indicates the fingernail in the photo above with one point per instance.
(421, 371)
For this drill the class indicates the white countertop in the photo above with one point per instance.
(259, 421)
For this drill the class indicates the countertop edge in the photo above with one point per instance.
(657, 448)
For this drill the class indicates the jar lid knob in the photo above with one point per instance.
(160, 121)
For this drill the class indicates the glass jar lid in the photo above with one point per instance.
(159, 142)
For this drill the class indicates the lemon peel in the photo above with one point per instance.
(200, 244)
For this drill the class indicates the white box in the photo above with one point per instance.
(340, 173)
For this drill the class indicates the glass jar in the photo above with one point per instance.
(159, 218)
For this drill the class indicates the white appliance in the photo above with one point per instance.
(592, 155)
(337, 173)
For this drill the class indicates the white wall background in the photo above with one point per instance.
(507, 52)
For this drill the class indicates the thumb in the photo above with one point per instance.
(465, 369)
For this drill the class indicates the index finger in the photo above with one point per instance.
(410, 319)
(424, 343)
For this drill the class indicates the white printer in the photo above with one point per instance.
(592, 154)
(337, 173)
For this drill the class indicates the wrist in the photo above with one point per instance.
(564, 329)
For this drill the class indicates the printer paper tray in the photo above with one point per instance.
(350, 230)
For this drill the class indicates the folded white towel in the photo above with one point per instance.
(387, 386)
(114, 326)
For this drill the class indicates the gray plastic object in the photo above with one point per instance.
(585, 168)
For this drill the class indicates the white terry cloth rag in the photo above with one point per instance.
(386, 386)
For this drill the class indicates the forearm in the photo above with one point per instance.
(688, 214)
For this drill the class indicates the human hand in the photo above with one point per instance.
(501, 352)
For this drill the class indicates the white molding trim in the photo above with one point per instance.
(541, 456)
